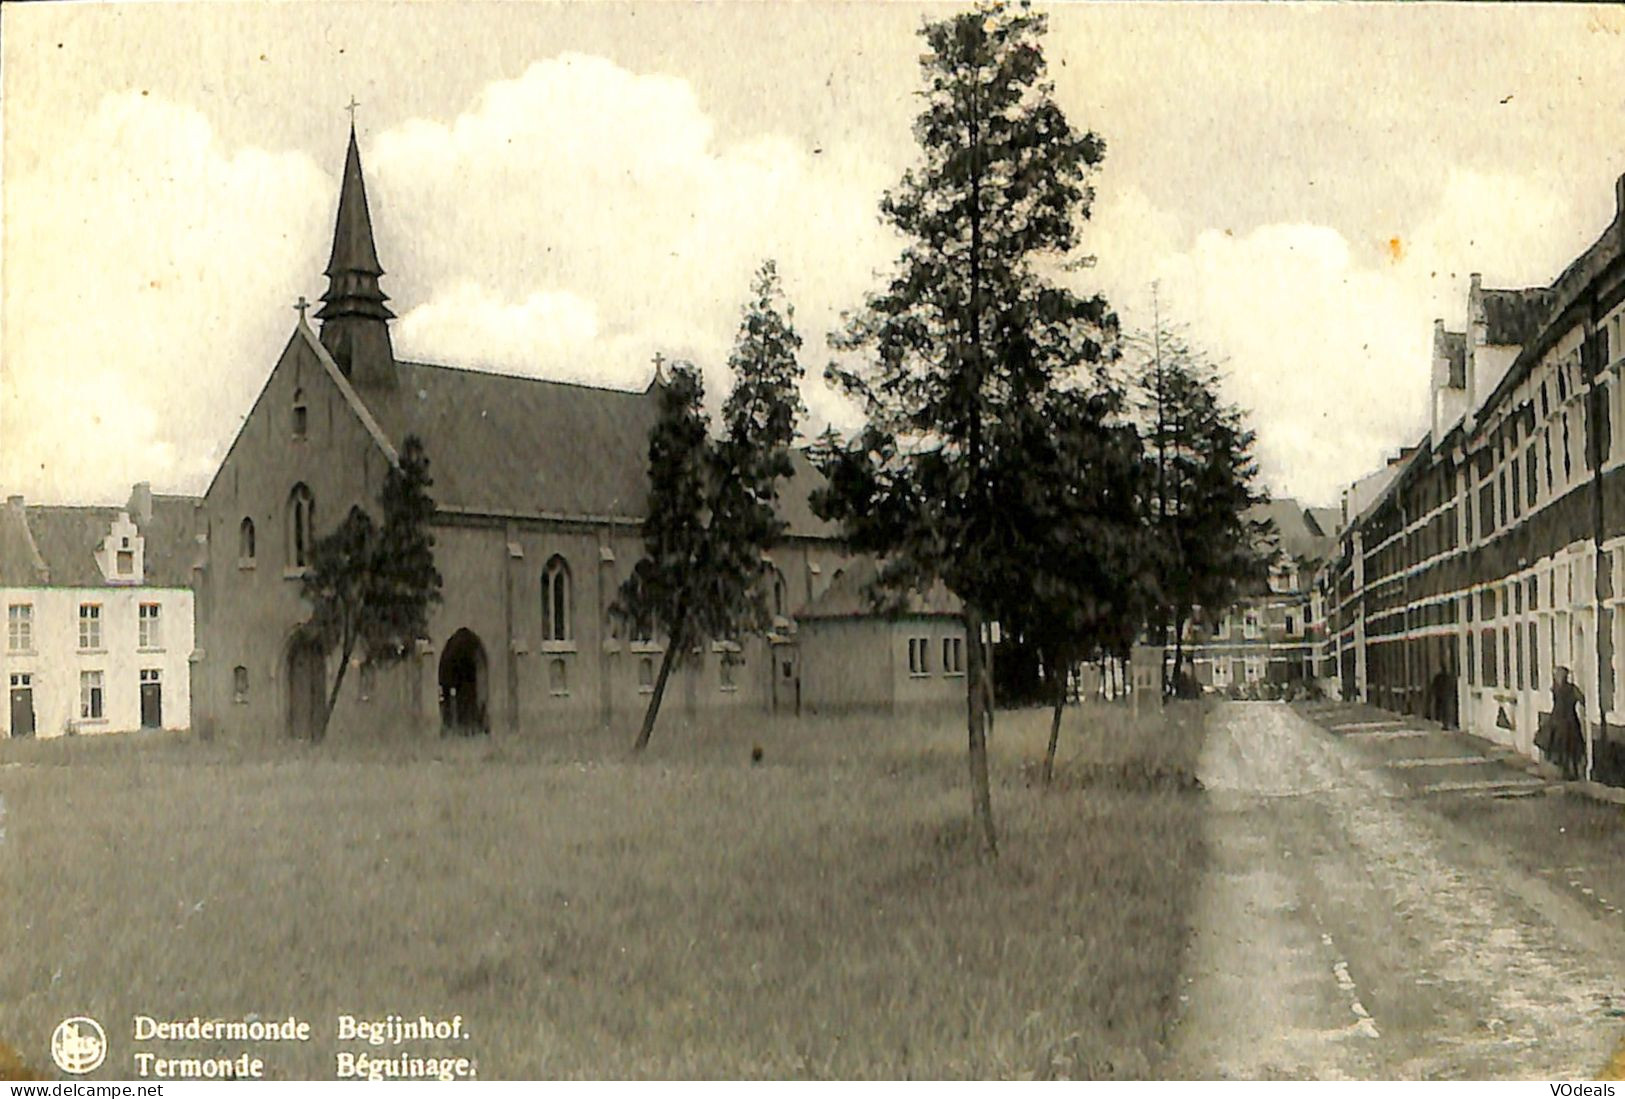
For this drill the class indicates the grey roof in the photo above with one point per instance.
(851, 595)
(1300, 534)
(510, 445)
(1512, 317)
(1454, 348)
(67, 537)
(1324, 521)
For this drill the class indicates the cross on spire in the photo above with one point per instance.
(300, 306)
(351, 106)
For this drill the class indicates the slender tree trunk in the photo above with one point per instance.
(1179, 644)
(975, 719)
(320, 733)
(1054, 730)
(651, 711)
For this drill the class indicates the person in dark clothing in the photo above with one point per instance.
(1566, 738)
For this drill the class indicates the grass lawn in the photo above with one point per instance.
(823, 913)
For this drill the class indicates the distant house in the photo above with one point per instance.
(98, 607)
(1275, 633)
(855, 656)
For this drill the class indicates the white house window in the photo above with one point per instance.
(558, 676)
(125, 561)
(1249, 625)
(150, 636)
(90, 696)
(301, 520)
(301, 418)
(953, 655)
(245, 541)
(90, 625)
(20, 627)
(646, 675)
(778, 594)
(239, 684)
(556, 622)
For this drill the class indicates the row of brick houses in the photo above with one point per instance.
(1493, 550)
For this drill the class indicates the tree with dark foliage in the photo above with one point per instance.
(712, 510)
(1204, 481)
(996, 199)
(370, 586)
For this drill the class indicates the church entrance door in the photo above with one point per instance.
(463, 685)
(307, 673)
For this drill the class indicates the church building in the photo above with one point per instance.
(540, 489)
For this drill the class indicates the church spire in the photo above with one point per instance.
(355, 320)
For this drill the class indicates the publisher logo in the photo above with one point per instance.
(78, 1045)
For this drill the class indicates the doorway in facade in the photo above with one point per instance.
(307, 674)
(463, 685)
(152, 699)
(22, 704)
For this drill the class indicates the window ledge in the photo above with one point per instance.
(728, 690)
(296, 572)
(22, 652)
(919, 675)
(558, 646)
(246, 564)
(646, 647)
(646, 690)
(558, 694)
(92, 652)
(239, 702)
(82, 722)
(150, 649)
(725, 646)
(954, 675)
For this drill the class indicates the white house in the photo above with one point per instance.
(98, 616)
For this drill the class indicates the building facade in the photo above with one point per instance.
(1495, 550)
(99, 616)
(1274, 635)
(540, 488)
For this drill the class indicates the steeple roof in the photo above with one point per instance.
(353, 249)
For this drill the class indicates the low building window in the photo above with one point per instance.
(301, 418)
(953, 655)
(245, 542)
(919, 656)
(90, 696)
(90, 625)
(558, 676)
(239, 684)
(646, 675)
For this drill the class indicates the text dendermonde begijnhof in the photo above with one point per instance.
(365, 1047)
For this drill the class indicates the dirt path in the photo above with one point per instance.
(1345, 931)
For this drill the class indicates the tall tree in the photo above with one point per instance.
(712, 502)
(1204, 476)
(370, 586)
(995, 200)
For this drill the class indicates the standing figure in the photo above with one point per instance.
(1567, 738)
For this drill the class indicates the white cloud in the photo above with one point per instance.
(142, 258)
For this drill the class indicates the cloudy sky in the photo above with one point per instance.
(564, 190)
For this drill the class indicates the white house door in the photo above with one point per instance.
(22, 704)
(152, 700)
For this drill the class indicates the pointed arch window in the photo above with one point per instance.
(301, 526)
(779, 600)
(301, 417)
(557, 600)
(245, 541)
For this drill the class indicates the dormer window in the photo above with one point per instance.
(300, 415)
(126, 562)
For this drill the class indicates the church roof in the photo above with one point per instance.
(851, 595)
(502, 444)
(67, 537)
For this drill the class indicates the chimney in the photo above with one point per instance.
(140, 505)
(14, 502)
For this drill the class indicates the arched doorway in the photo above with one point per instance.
(307, 675)
(463, 685)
